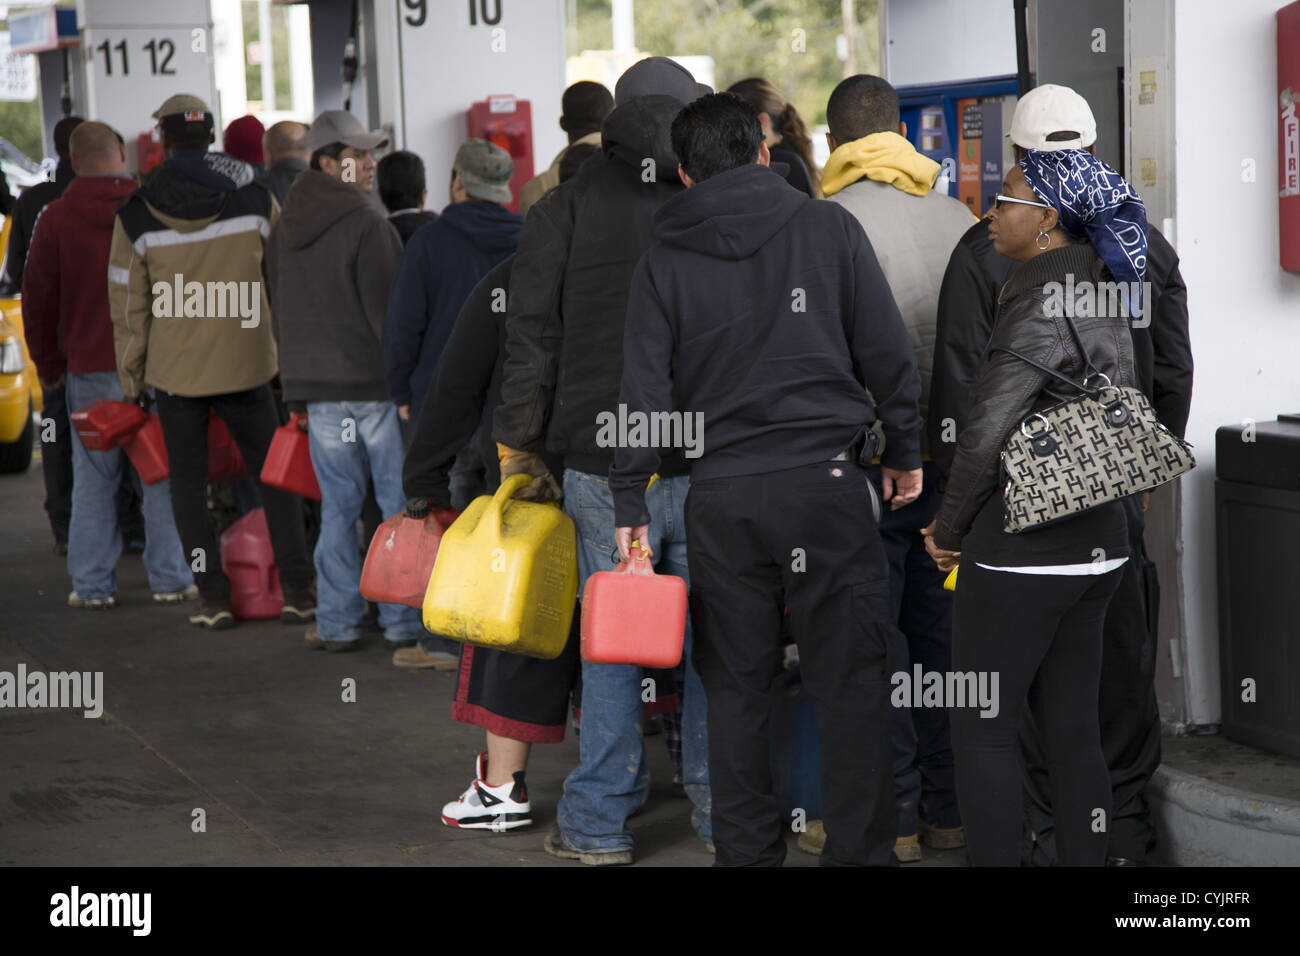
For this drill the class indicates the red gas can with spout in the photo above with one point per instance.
(633, 616)
(148, 451)
(249, 562)
(401, 556)
(288, 462)
(225, 463)
(105, 424)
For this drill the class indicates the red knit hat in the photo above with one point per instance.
(243, 139)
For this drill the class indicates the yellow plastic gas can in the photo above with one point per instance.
(506, 575)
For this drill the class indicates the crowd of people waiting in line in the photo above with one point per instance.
(843, 331)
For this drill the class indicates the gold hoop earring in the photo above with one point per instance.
(1043, 235)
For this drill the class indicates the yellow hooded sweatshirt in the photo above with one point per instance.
(885, 157)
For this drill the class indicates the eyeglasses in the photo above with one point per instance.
(1000, 199)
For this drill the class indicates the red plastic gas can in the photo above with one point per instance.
(288, 465)
(148, 452)
(105, 424)
(225, 463)
(249, 562)
(400, 560)
(633, 616)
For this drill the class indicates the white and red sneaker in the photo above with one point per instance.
(490, 808)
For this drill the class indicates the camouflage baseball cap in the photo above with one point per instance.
(485, 170)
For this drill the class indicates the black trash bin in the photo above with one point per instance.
(1257, 519)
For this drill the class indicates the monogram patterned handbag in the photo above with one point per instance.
(1102, 445)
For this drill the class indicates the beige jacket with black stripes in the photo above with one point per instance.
(187, 280)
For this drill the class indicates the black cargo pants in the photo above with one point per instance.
(805, 539)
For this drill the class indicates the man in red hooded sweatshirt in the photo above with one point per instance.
(66, 315)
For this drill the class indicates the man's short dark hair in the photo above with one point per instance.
(63, 133)
(716, 133)
(193, 136)
(862, 105)
(584, 107)
(332, 150)
(400, 177)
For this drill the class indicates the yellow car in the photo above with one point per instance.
(20, 392)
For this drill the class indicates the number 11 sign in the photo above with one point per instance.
(130, 69)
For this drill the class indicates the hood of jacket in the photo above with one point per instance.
(731, 215)
(316, 203)
(95, 199)
(640, 129)
(195, 184)
(491, 227)
(885, 157)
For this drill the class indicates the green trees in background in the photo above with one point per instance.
(20, 123)
(748, 38)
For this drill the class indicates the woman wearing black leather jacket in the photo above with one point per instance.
(1029, 606)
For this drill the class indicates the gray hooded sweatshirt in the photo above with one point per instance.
(331, 258)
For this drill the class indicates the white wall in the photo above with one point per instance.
(430, 73)
(1245, 310)
(966, 40)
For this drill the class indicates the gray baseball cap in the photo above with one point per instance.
(485, 170)
(340, 126)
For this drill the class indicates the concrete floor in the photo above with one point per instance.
(249, 726)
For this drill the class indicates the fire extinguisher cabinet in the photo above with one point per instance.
(507, 122)
(1288, 135)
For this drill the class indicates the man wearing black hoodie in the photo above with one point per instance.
(564, 345)
(765, 316)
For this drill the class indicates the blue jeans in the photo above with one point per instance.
(94, 539)
(350, 441)
(612, 779)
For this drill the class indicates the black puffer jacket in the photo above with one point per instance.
(1006, 389)
(568, 292)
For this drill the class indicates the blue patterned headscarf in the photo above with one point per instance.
(1093, 200)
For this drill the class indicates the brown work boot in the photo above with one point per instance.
(942, 838)
(556, 845)
(417, 658)
(813, 839)
(316, 642)
(908, 849)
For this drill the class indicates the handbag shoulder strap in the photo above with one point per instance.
(1088, 368)
(1085, 389)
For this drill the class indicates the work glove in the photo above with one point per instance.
(543, 487)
